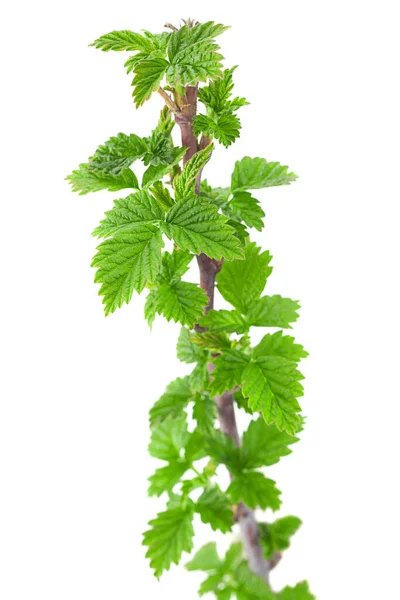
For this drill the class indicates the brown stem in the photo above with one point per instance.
(209, 268)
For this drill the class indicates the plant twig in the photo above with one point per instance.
(209, 268)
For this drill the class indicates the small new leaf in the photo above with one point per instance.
(170, 534)
(173, 402)
(228, 372)
(275, 537)
(168, 439)
(264, 445)
(301, 591)
(256, 173)
(123, 40)
(242, 282)
(85, 180)
(214, 508)
(184, 184)
(149, 73)
(255, 490)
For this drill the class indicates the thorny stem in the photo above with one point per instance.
(209, 268)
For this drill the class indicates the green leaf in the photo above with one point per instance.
(272, 387)
(216, 94)
(187, 351)
(168, 439)
(173, 402)
(242, 282)
(228, 372)
(182, 302)
(256, 173)
(300, 592)
(184, 184)
(123, 40)
(165, 478)
(275, 536)
(148, 75)
(280, 345)
(170, 535)
(85, 180)
(211, 340)
(264, 445)
(162, 195)
(195, 225)
(193, 55)
(155, 172)
(127, 262)
(174, 265)
(118, 153)
(273, 311)
(204, 412)
(221, 448)
(199, 377)
(244, 207)
(229, 321)
(224, 127)
(205, 559)
(250, 586)
(214, 508)
(140, 207)
(255, 490)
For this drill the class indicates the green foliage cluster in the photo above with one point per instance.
(165, 208)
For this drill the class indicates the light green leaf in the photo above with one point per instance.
(214, 508)
(162, 195)
(205, 559)
(168, 439)
(280, 345)
(275, 536)
(195, 225)
(140, 207)
(244, 207)
(301, 591)
(187, 350)
(255, 490)
(272, 387)
(165, 478)
(170, 535)
(230, 321)
(181, 301)
(256, 173)
(127, 262)
(263, 445)
(184, 184)
(123, 40)
(156, 172)
(204, 412)
(193, 55)
(228, 372)
(211, 340)
(250, 586)
(85, 180)
(224, 127)
(242, 282)
(148, 75)
(118, 153)
(173, 402)
(216, 94)
(273, 311)
(221, 448)
(174, 265)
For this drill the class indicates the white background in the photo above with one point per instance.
(76, 387)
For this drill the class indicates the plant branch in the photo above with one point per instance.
(209, 268)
